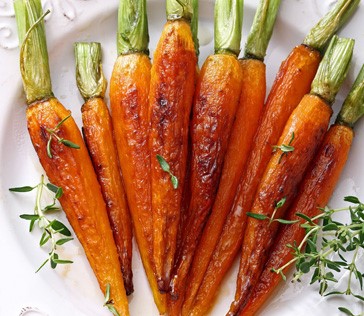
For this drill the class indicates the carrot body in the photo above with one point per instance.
(129, 89)
(98, 133)
(291, 84)
(213, 113)
(72, 170)
(315, 192)
(283, 174)
(253, 89)
(171, 91)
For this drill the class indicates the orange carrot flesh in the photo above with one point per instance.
(171, 92)
(129, 89)
(308, 123)
(72, 170)
(98, 133)
(216, 100)
(291, 84)
(314, 192)
(253, 89)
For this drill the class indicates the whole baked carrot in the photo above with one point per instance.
(296, 147)
(64, 157)
(98, 134)
(314, 193)
(172, 86)
(291, 84)
(213, 112)
(129, 90)
(253, 90)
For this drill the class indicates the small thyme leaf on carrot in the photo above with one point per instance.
(284, 148)
(109, 303)
(165, 167)
(53, 135)
(271, 219)
(54, 232)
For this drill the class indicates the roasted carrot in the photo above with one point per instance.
(253, 90)
(291, 84)
(98, 134)
(129, 90)
(296, 147)
(64, 157)
(314, 193)
(171, 91)
(215, 102)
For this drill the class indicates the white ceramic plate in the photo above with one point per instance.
(73, 290)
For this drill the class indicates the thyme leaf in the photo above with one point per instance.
(165, 167)
(284, 148)
(54, 232)
(53, 135)
(109, 303)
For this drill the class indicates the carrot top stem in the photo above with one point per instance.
(353, 107)
(261, 30)
(228, 24)
(194, 26)
(34, 64)
(89, 76)
(180, 9)
(321, 33)
(132, 35)
(333, 68)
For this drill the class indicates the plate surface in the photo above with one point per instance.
(73, 290)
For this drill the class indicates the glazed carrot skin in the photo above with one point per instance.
(97, 130)
(308, 122)
(253, 89)
(72, 170)
(171, 92)
(291, 84)
(216, 100)
(314, 193)
(129, 91)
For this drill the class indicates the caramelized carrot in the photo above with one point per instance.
(253, 90)
(291, 84)
(98, 134)
(129, 90)
(297, 145)
(314, 193)
(170, 100)
(52, 132)
(213, 112)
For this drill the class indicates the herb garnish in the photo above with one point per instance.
(53, 134)
(271, 219)
(109, 303)
(51, 229)
(165, 167)
(325, 240)
(284, 148)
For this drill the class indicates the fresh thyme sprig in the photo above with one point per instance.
(323, 247)
(53, 134)
(109, 303)
(165, 167)
(285, 148)
(54, 233)
(271, 219)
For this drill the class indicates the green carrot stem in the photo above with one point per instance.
(322, 32)
(179, 9)
(34, 64)
(194, 26)
(353, 107)
(132, 35)
(89, 76)
(333, 68)
(261, 30)
(228, 25)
